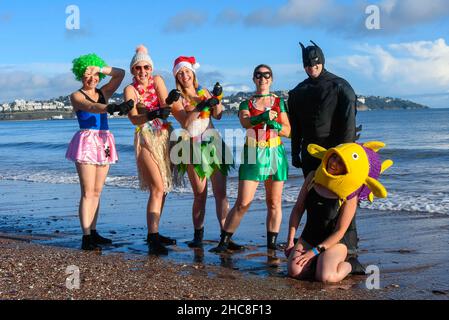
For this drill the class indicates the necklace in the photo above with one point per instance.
(147, 95)
(262, 95)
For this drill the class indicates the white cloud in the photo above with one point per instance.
(34, 86)
(184, 21)
(418, 68)
(349, 18)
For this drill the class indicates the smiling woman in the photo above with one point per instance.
(93, 146)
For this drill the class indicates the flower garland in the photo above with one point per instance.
(201, 92)
(149, 98)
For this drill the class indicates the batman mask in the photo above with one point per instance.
(312, 55)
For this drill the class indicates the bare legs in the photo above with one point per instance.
(153, 179)
(199, 187)
(247, 190)
(92, 179)
(331, 266)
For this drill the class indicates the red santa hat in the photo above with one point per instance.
(187, 62)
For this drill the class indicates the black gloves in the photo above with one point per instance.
(202, 105)
(161, 113)
(122, 108)
(218, 90)
(296, 161)
(173, 96)
(217, 94)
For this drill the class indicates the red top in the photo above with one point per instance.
(261, 130)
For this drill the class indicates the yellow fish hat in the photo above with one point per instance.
(363, 167)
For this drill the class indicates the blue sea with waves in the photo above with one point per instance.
(417, 141)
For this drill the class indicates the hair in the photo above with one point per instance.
(181, 88)
(262, 66)
(81, 63)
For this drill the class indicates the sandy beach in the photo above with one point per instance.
(40, 239)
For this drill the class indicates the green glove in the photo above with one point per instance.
(274, 125)
(264, 117)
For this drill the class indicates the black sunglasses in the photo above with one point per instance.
(259, 75)
(138, 68)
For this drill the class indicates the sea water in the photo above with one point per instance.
(416, 140)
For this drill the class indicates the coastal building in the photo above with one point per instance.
(361, 100)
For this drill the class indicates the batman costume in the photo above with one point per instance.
(321, 110)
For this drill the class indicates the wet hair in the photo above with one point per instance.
(262, 66)
(81, 63)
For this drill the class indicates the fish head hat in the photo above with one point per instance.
(363, 167)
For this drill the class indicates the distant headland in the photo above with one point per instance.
(60, 108)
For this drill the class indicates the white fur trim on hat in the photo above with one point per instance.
(187, 65)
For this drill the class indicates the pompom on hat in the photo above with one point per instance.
(141, 55)
(187, 62)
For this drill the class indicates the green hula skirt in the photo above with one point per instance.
(207, 157)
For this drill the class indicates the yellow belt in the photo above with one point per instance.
(271, 143)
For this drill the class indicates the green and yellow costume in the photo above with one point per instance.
(264, 153)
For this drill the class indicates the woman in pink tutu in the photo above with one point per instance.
(93, 147)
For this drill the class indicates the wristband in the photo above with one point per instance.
(315, 251)
(101, 70)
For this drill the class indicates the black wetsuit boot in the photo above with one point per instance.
(197, 241)
(271, 240)
(167, 240)
(357, 267)
(234, 246)
(164, 240)
(155, 245)
(97, 239)
(224, 243)
(88, 244)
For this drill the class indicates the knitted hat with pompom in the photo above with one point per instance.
(141, 55)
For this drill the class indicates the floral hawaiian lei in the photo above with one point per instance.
(149, 98)
(201, 92)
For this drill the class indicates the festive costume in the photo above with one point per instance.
(363, 167)
(208, 152)
(264, 154)
(93, 144)
(153, 135)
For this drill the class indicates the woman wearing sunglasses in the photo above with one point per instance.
(151, 142)
(209, 157)
(265, 118)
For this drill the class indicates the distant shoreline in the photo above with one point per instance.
(64, 115)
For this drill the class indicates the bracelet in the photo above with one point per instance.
(315, 250)
(101, 70)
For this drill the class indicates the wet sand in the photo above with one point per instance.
(40, 238)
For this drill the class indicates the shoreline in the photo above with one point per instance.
(38, 272)
(39, 228)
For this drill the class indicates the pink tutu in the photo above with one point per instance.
(92, 147)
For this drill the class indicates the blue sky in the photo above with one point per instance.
(408, 57)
